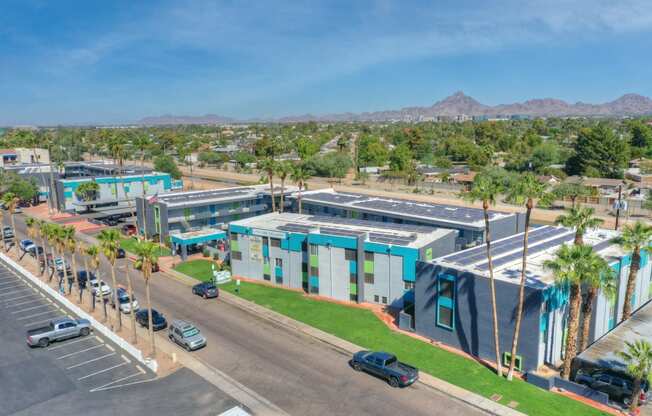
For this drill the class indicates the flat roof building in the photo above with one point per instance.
(176, 213)
(340, 258)
(453, 302)
(468, 221)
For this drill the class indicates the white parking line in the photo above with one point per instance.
(27, 302)
(14, 291)
(79, 352)
(39, 322)
(101, 371)
(91, 360)
(70, 343)
(3, 286)
(18, 297)
(29, 309)
(34, 315)
(124, 357)
(115, 381)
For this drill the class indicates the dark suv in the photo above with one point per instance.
(618, 388)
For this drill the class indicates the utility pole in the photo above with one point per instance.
(620, 194)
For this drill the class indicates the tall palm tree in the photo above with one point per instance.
(486, 189)
(132, 312)
(603, 280)
(638, 358)
(51, 232)
(117, 147)
(2, 223)
(146, 256)
(580, 219)
(524, 190)
(93, 254)
(10, 200)
(43, 235)
(283, 170)
(268, 166)
(142, 142)
(70, 241)
(635, 238)
(109, 243)
(30, 223)
(572, 266)
(300, 176)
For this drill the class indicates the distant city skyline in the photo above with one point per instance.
(113, 62)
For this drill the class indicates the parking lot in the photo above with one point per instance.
(86, 368)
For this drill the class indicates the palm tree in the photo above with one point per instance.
(147, 255)
(638, 358)
(109, 243)
(142, 142)
(2, 223)
(283, 169)
(268, 165)
(60, 240)
(70, 241)
(524, 190)
(572, 266)
(93, 254)
(604, 280)
(117, 147)
(581, 219)
(634, 238)
(30, 223)
(51, 232)
(300, 176)
(132, 312)
(87, 192)
(485, 189)
(42, 225)
(10, 200)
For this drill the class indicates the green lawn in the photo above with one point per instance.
(199, 269)
(128, 244)
(363, 328)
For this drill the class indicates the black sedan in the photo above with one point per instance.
(159, 322)
(206, 290)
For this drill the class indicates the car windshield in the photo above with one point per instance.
(124, 299)
(210, 287)
(390, 361)
(190, 332)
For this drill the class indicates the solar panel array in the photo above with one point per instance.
(340, 231)
(531, 250)
(338, 198)
(296, 228)
(190, 197)
(432, 211)
(392, 239)
(373, 224)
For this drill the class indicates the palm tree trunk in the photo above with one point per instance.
(587, 314)
(88, 281)
(299, 199)
(636, 393)
(54, 265)
(631, 283)
(271, 190)
(44, 256)
(149, 313)
(521, 294)
(99, 280)
(53, 199)
(131, 311)
(13, 227)
(115, 297)
(492, 284)
(282, 192)
(571, 337)
(65, 268)
(74, 274)
(142, 178)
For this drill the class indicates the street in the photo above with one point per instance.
(296, 373)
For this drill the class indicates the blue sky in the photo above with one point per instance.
(94, 61)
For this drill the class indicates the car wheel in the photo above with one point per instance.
(43, 342)
(627, 401)
(187, 347)
(393, 381)
(84, 332)
(357, 367)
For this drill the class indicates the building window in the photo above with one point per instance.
(518, 363)
(304, 267)
(313, 249)
(278, 262)
(236, 255)
(350, 254)
(275, 242)
(384, 300)
(314, 271)
(368, 256)
(353, 298)
(233, 236)
(267, 277)
(446, 301)
(376, 298)
(353, 278)
(369, 278)
(408, 285)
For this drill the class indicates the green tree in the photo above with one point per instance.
(598, 149)
(10, 201)
(268, 167)
(580, 219)
(371, 151)
(638, 358)
(146, 256)
(603, 279)
(525, 189)
(87, 191)
(486, 188)
(165, 163)
(109, 243)
(300, 175)
(572, 191)
(634, 238)
(641, 134)
(400, 158)
(93, 254)
(283, 170)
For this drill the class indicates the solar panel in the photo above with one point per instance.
(438, 211)
(531, 250)
(338, 198)
(373, 224)
(297, 228)
(340, 231)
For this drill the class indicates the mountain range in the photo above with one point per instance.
(458, 104)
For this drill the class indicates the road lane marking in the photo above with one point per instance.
(79, 352)
(101, 371)
(115, 381)
(70, 343)
(125, 358)
(34, 315)
(91, 360)
(110, 347)
(29, 309)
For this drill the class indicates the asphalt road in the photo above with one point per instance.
(86, 374)
(300, 375)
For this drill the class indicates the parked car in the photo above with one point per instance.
(124, 303)
(385, 366)
(129, 229)
(98, 286)
(111, 222)
(186, 335)
(619, 388)
(25, 244)
(121, 254)
(158, 320)
(35, 251)
(205, 290)
(58, 330)
(83, 278)
(7, 232)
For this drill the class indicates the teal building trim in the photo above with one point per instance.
(234, 228)
(200, 239)
(410, 257)
(333, 240)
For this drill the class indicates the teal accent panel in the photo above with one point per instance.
(67, 194)
(616, 267)
(278, 271)
(353, 266)
(235, 228)
(626, 260)
(196, 240)
(543, 322)
(410, 256)
(644, 258)
(285, 243)
(333, 240)
(265, 250)
(295, 241)
(556, 297)
(313, 281)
